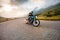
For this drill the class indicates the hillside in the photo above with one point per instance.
(2, 19)
(53, 7)
(52, 12)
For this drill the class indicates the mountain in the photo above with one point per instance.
(53, 7)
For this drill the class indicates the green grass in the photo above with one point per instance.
(49, 18)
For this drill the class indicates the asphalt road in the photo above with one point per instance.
(18, 30)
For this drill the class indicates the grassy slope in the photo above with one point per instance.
(49, 18)
(55, 7)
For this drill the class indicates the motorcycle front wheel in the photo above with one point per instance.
(36, 23)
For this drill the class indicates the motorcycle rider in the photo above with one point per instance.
(32, 20)
(30, 16)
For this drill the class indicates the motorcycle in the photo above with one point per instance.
(33, 21)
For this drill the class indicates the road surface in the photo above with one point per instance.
(18, 30)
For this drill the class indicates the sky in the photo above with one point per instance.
(23, 7)
(37, 3)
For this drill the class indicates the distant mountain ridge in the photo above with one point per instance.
(56, 6)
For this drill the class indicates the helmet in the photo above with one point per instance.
(31, 13)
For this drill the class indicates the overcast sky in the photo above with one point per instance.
(31, 4)
(24, 7)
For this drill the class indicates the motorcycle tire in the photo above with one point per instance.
(36, 23)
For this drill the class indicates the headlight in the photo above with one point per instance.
(36, 16)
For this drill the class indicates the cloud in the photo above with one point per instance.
(20, 1)
(24, 7)
(31, 4)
